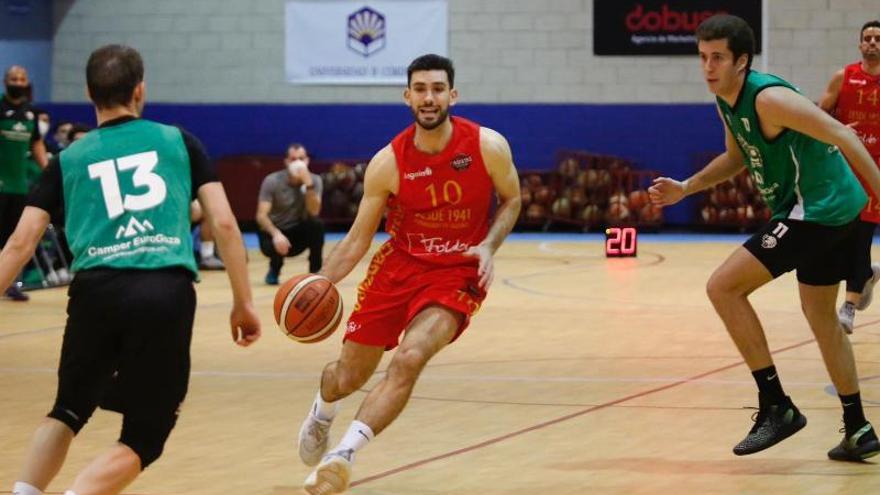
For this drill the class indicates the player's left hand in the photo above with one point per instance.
(486, 270)
(665, 191)
(245, 324)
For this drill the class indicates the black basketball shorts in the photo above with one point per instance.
(127, 342)
(818, 252)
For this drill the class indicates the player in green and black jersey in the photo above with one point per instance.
(794, 153)
(126, 189)
(19, 136)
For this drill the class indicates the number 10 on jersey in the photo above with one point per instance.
(621, 242)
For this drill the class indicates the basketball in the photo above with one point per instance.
(536, 212)
(562, 207)
(591, 214)
(638, 199)
(525, 197)
(308, 308)
(617, 213)
(619, 197)
(709, 214)
(651, 213)
(544, 195)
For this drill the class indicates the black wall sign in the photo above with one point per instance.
(661, 27)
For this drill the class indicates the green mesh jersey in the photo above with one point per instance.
(127, 190)
(17, 128)
(799, 177)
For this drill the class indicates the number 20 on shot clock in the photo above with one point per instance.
(621, 242)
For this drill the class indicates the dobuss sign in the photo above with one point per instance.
(661, 27)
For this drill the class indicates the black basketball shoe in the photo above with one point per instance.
(856, 447)
(773, 424)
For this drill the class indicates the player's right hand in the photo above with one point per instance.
(245, 324)
(281, 243)
(486, 269)
(666, 191)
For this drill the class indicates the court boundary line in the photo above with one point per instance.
(567, 417)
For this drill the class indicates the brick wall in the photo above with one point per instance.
(217, 51)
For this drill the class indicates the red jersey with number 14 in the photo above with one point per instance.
(859, 102)
(443, 203)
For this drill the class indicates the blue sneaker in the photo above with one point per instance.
(272, 277)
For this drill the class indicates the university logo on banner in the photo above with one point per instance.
(366, 31)
(662, 27)
(345, 42)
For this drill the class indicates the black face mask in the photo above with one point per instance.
(16, 92)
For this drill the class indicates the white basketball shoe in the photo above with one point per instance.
(868, 290)
(314, 436)
(332, 475)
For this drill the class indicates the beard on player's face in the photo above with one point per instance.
(429, 117)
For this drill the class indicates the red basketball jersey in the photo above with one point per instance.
(443, 203)
(859, 101)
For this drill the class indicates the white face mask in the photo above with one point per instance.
(296, 166)
(43, 127)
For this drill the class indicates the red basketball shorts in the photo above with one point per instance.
(398, 286)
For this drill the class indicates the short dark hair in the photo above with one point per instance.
(77, 128)
(112, 73)
(59, 124)
(431, 62)
(296, 145)
(869, 24)
(739, 35)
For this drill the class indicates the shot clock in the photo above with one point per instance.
(621, 242)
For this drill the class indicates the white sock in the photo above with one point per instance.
(357, 437)
(22, 488)
(324, 410)
(69, 492)
(207, 249)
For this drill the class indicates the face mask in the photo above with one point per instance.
(16, 92)
(43, 127)
(297, 166)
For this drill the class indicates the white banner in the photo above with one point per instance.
(346, 42)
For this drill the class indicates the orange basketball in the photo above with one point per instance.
(308, 308)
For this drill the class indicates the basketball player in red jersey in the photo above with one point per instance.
(853, 96)
(436, 179)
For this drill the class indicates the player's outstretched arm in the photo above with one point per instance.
(244, 322)
(380, 180)
(20, 247)
(666, 191)
(781, 107)
(499, 163)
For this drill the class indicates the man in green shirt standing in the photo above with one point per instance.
(18, 135)
(126, 188)
(795, 154)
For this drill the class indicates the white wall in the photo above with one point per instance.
(506, 51)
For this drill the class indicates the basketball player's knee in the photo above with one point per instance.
(407, 363)
(820, 318)
(146, 436)
(718, 289)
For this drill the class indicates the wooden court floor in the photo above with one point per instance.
(580, 375)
